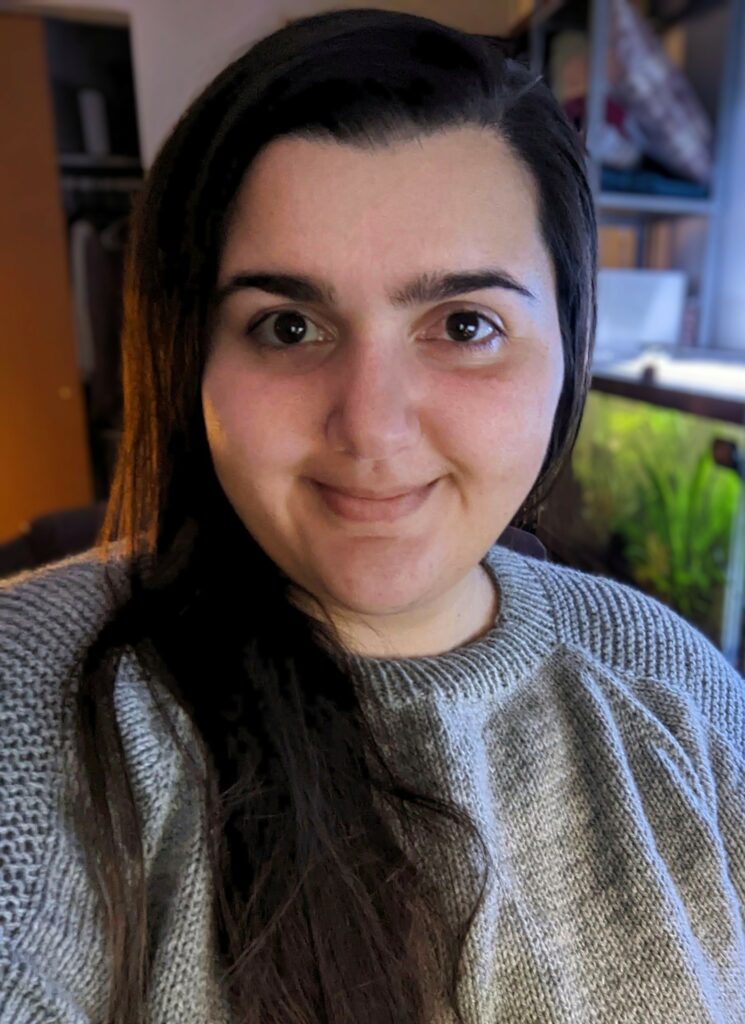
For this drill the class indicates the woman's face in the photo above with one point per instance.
(352, 365)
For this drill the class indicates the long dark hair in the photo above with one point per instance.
(320, 914)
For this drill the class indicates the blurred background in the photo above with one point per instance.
(654, 495)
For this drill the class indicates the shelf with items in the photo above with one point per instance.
(616, 81)
(654, 209)
(100, 172)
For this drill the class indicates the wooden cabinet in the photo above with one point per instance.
(44, 453)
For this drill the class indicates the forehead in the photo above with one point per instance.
(448, 198)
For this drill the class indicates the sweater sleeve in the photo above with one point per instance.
(52, 962)
(658, 651)
(54, 958)
(722, 700)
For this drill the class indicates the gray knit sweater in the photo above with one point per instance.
(596, 739)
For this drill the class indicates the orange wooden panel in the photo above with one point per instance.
(44, 456)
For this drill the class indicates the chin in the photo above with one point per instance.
(380, 592)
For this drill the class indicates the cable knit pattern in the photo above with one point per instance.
(596, 739)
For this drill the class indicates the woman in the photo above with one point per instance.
(300, 742)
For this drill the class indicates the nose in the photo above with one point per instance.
(374, 412)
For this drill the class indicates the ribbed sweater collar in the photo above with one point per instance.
(522, 636)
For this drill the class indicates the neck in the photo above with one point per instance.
(458, 617)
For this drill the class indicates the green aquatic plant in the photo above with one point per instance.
(648, 479)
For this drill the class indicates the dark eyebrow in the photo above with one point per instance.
(423, 288)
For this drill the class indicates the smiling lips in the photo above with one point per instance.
(367, 510)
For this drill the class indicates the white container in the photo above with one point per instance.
(636, 309)
(94, 122)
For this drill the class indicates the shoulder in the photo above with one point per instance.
(622, 625)
(48, 615)
(639, 638)
(48, 619)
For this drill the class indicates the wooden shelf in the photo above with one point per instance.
(72, 161)
(641, 202)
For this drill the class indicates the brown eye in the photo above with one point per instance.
(464, 331)
(289, 328)
(463, 325)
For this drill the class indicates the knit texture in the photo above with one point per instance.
(595, 738)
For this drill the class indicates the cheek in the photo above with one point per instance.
(499, 428)
(251, 429)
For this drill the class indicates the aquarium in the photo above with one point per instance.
(644, 501)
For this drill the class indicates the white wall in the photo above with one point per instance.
(181, 46)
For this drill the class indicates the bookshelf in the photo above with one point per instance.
(652, 216)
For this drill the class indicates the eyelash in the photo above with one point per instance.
(492, 344)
